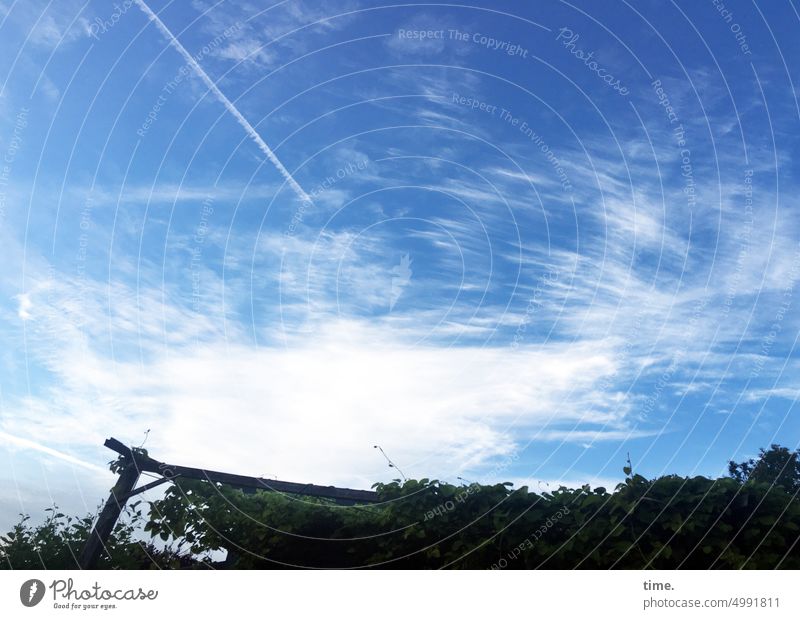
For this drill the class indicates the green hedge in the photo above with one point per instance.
(56, 543)
(669, 522)
(748, 520)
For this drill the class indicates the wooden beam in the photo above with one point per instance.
(150, 486)
(119, 447)
(341, 495)
(150, 465)
(107, 519)
(138, 462)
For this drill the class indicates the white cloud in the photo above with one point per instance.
(785, 393)
(247, 50)
(25, 305)
(49, 25)
(309, 411)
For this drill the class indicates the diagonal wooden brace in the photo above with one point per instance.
(107, 519)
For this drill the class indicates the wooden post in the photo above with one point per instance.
(137, 461)
(107, 519)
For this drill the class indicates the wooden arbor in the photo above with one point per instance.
(135, 463)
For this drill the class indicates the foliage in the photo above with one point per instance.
(669, 522)
(116, 466)
(777, 466)
(750, 519)
(57, 542)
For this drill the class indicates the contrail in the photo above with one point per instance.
(29, 444)
(225, 101)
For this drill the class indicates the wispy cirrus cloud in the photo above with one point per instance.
(359, 382)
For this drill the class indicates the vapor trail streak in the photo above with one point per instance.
(25, 443)
(225, 101)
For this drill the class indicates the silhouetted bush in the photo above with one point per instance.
(748, 520)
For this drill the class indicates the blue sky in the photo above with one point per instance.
(508, 241)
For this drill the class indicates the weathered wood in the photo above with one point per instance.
(107, 519)
(119, 447)
(150, 486)
(341, 495)
(139, 463)
(148, 464)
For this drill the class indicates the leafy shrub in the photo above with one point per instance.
(669, 522)
(778, 466)
(57, 544)
(750, 519)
